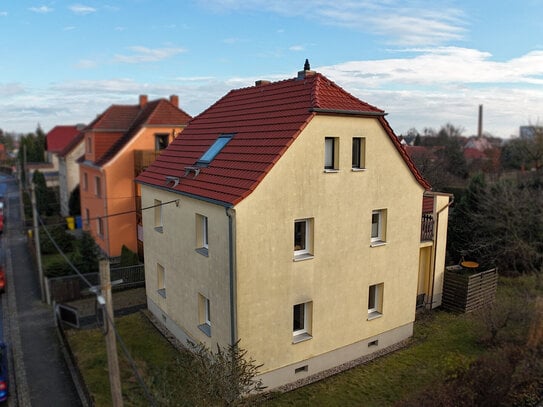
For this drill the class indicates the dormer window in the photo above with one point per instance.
(215, 149)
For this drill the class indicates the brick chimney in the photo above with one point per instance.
(262, 82)
(174, 100)
(143, 101)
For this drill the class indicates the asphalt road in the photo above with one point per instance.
(41, 377)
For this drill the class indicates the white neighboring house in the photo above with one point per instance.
(64, 153)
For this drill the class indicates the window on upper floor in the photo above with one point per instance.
(160, 280)
(302, 315)
(100, 227)
(161, 141)
(204, 314)
(331, 154)
(375, 300)
(303, 239)
(85, 181)
(359, 153)
(87, 216)
(97, 186)
(89, 144)
(378, 226)
(202, 242)
(158, 216)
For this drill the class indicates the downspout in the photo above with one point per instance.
(451, 201)
(230, 212)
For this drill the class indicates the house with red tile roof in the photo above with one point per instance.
(55, 140)
(68, 169)
(288, 216)
(118, 145)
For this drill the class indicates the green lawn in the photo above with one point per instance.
(442, 343)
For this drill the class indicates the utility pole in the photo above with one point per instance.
(111, 345)
(37, 238)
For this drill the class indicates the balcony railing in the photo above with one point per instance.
(143, 159)
(427, 227)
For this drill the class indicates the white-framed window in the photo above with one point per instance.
(378, 226)
(331, 153)
(359, 153)
(158, 215)
(303, 238)
(301, 321)
(97, 186)
(375, 300)
(161, 280)
(204, 314)
(202, 234)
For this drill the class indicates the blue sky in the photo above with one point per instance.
(426, 63)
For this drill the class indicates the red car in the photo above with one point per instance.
(2, 280)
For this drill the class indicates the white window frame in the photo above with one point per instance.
(331, 154)
(375, 300)
(158, 216)
(161, 280)
(202, 234)
(204, 314)
(306, 251)
(207, 311)
(360, 151)
(304, 332)
(380, 236)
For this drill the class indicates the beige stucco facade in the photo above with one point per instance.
(68, 172)
(252, 277)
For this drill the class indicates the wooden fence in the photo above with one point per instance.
(72, 287)
(466, 292)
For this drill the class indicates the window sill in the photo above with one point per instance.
(205, 328)
(330, 170)
(203, 251)
(356, 169)
(374, 315)
(301, 337)
(162, 292)
(378, 243)
(302, 257)
(159, 229)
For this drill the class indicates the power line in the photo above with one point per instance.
(127, 354)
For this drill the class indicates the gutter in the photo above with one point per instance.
(231, 213)
(451, 201)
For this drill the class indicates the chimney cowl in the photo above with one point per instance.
(306, 71)
(174, 100)
(143, 100)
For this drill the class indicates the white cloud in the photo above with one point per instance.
(144, 54)
(86, 64)
(41, 9)
(296, 48)
(82, 9)
(422, 23)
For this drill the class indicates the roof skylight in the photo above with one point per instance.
(215, 149)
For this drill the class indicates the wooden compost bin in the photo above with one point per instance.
(466, 291)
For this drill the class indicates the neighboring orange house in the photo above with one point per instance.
(119, 144)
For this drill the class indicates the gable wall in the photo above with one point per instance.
(337, 279)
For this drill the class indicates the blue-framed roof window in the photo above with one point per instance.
(215, 149)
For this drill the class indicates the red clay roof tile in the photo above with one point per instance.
(59, 137)
(265, 120)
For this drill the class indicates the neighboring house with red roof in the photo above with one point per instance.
(119, 144)
(68, 169)
(55, 140)
(288, 216)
